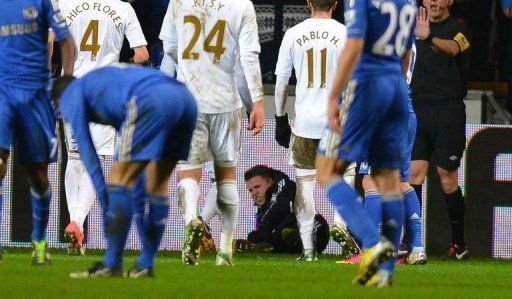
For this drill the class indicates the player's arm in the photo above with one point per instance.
(452, 47)
(406, 60)
(49, 47)
(249, 46)
(62, 36)
(356, 20)
(346, 65)
(169, 35)
(135, 37)
(243, 88)
(283, 73)
(75, 113)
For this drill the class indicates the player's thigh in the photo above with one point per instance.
(199, 151)
(177, 146)
(7, 118)
(386, 143)
(35, 127)
(302, 152)
(157, 176)
(225, 137)
(362, 108)
(451, 136)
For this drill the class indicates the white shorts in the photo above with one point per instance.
(102, 136)
(216, 138)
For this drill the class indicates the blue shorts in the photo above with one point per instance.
(374, 118)
(364, 167)
(27, 117)
(158, 126)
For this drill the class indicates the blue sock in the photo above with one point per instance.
(392, 223)
(372, 207)
(40, 212)
(1, 197)
(154, 227)
(139, 196)
(412, 219)
(348, 204)
(118, 219)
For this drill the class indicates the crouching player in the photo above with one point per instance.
(154, 116)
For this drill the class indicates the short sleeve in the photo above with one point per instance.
(463, 38)
(56, 20)
(133, 30)
(356, 18)
(284, 65)
(248, 38)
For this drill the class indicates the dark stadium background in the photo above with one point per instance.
(482, 16)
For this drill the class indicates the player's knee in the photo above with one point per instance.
(325, 170)
(405, 187)
(368, 183)
(227, 193)
(38, 177)
(4, 155)
(418, 174)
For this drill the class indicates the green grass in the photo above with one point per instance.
(254, 276)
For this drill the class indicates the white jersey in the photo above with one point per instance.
(312, 48)
(209, 36)
(98, 28)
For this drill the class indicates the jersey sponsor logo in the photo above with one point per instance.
(30, 13)
(18, 29)
(462, 41)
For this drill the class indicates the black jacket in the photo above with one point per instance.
(277, 212)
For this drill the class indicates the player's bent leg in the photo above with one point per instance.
(305, 211)
(227, 202)
(157, 182)
(188, 191)
(40, 195)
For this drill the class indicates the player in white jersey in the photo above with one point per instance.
(98, 28)
(206, 39)
(312, 48)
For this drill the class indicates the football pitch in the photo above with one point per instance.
(253, 276)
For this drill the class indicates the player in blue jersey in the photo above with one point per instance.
(155, 117)
(369, 125)
(26, 113)
(415, 251)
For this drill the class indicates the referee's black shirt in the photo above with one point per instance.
(438, 76)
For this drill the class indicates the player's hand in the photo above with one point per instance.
(257, 117)
(422, 30)
(283, 130)
(333, 115)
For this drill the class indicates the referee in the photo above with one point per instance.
(438, 88)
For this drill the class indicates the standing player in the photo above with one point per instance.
(312, 48)
(26, 113)
(369, 125)
(207, 39)
(99, 28)
(372, 200)
(155, 117)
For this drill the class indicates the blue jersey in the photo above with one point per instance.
(119, 96)
(386, 26)
(24, 26)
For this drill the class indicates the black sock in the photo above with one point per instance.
(456, 211)
(417, 189)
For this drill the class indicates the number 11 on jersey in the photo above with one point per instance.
(311, 68)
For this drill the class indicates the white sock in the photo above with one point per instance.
(188, 196)
(305, 206)
(80, 192)
(210, 205)
(227, 201)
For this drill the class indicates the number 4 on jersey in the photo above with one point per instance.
(91, 33)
